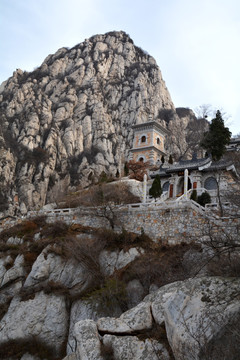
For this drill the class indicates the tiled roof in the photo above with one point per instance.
(151, 124)
(205, 164)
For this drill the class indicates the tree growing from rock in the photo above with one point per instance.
(216, 139)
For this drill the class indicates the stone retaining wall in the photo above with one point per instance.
(166, 224)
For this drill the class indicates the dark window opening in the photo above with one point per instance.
(210, 183)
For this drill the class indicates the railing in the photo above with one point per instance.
(162, 198)
(197, 206)
(52, 212)
(156, 204)
(200, 191)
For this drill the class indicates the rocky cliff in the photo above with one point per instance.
(71, 119)
(73, 292)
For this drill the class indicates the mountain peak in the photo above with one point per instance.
(71, 118)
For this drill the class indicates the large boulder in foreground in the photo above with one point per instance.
(201, 318)
(43, 319)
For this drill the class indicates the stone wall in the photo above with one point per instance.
(165, 223)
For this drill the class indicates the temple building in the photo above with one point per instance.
(148, 142)
(184, 176)
(199, 174)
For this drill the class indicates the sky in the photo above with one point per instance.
(196, 43)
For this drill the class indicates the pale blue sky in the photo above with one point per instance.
(195, 43)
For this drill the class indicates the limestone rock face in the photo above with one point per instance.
(130, 347)
(193, 319)
(89, 346)
(68, 273)
(71, 118)
(111, 261)
(85, 310)
(43, 318)
(15, 272)
(202, 319)
(135, 293)
(136, 319)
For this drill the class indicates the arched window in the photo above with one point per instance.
(141, 159)
(165, 186)
(143, 139)
(158, 141)
(210, 183)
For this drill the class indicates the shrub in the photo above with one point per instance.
(56, 229)
(183, 112)
(204, 199)
(103, 177)
(54, 287)
(26, 229)
(124, 240)
(109, 296)
(138, 169)
(40, 220)
(194, 196)
(156, 189)
(166, 266)
(166, 114)
(40, 155)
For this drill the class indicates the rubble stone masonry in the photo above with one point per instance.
(162, 223)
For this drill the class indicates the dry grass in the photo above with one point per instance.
(96, 195)
(158, 266)
(124, 240)
(25, 229)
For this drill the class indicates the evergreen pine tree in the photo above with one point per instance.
(194, 195)
(216, 139)
(126, 169)
(204, 199)
(156, 189)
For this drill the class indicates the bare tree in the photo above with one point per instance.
(104, 199)
(204, 111)
(138, 169)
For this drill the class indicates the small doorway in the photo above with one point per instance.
(180, 186)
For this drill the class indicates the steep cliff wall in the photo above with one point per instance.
(71, 118)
